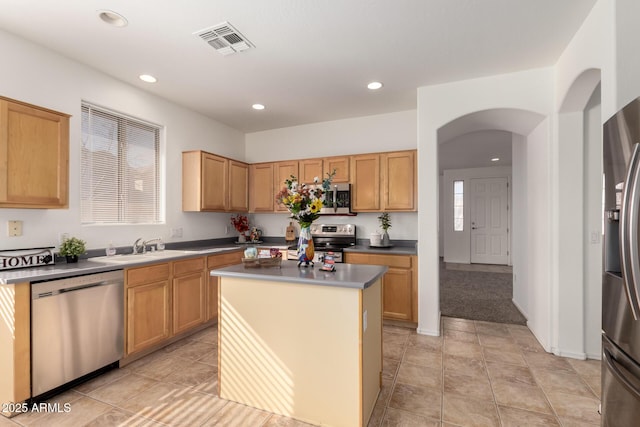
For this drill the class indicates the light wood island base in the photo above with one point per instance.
(307, 351)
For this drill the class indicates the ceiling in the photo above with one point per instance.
(312, 59)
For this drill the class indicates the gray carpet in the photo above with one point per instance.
(478, 295)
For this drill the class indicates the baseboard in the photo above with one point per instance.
(520, 309)
(594, 356)
(547, 349)
(430, 332)
(569, 354)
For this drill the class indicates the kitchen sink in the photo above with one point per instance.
(124, 259)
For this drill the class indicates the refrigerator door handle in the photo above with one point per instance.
(629, 233)
(611, 364)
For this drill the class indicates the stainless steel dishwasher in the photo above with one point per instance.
(77, 327)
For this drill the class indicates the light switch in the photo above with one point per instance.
(15, 228)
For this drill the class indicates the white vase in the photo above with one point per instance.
(242, 238)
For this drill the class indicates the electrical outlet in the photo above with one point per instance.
(226, 229)
(62, 237)
(14, 228)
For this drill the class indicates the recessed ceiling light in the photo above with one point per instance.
(495, 159)
(148, 78)
(374, 85)
(257, 107)
(113, 18)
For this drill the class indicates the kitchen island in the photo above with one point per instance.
(302, 342)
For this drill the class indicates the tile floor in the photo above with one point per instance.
(477, 374)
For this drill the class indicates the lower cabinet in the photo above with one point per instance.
(188, 294)
(166, 299)
(213, 262)
(399, 284)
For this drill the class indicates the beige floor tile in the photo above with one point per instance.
(586, 368)
(476, 387)
(497, 342)
(7, 422)
(511, 373)
(546, 361)
(512, 417)
(210, 358)
(503, 356)
(579, 408)
(424, 357)
(157, 367)
(461, 336)
(569, 422)
(194, 350)
(377, 416)
(80, 412)
(101, 380)
(280, 421)
(419, 400)
(36, 417)
(421, 376)
(393, 351)
(175, 346)
(562, 381)
(462, 349)
(396, 418)
(530, 398)
(398, 330)
(529, 344)
(465, 411)
(458, 324)
(489, 328)
(595, 384)
(208, 335)
(118, 417)
(192, 373)
(390, 367)
(425, 342)
(208, 387)
(174, 404)
(122, 389)
(237, 415)
(465, 365)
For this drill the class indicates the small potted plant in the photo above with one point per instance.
(71, 248)
(385, 224)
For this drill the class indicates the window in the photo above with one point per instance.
(120, 177)
(458, 205)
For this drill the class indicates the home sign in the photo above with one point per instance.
(23, 258)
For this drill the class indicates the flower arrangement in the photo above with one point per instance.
(304, 201)
(72, 247)
(240, 223)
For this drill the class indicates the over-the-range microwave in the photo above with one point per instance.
(337, 200)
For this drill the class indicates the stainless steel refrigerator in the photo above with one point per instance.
(621, 276)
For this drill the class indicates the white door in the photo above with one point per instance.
(489, 218)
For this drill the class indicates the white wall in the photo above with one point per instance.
(593, 225)
(368, 134)
(627, 60)
(520, 219)
(41, 77)
(457, 244)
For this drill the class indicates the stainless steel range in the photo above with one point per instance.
(329, 238)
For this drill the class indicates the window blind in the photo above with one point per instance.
(120, 181)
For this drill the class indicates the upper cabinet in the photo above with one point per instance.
(309, 170)
(365, 183)
(281, 172)
(384, 182)
(398, 181)
(338, 164)
(261, 191)
(34, 156)
(213, 183)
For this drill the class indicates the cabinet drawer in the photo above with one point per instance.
(147, 274)
(398, 261)
(220, 260)
(188, 265)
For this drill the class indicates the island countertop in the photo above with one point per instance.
(346, 275)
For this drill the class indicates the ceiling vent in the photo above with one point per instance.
(224, 38)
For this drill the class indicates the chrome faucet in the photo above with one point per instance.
(137, 245)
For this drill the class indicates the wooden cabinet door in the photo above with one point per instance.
(397, 293)
(399, 181)
(283, 171)
(365, 185)
(212, 298)
(188, 301)
(238, 186)
(214, 182)
(261, 191)
(148, 315)
(310, 169)
(34, 156)
(340, 165)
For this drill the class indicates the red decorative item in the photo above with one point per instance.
(240, 223)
